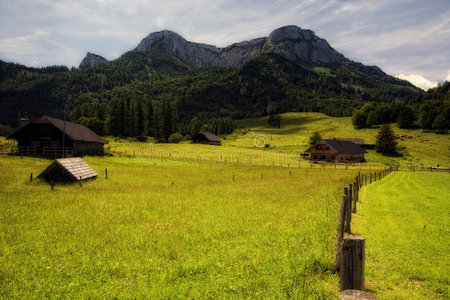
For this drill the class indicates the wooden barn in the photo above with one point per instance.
(48, 136)
(68, 170)
(336, 150)
(206, 138)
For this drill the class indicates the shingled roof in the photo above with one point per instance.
(76, 132)
(356, 141)
(341, 146)
(210, 136)
(68, 170)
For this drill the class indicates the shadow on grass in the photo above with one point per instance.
(393, 154)
(288, 122)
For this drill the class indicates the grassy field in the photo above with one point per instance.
(425, 148)
(170, 222)
(161, 230)
(405, 220)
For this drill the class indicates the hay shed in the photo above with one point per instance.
(206, 138)
(68, 170)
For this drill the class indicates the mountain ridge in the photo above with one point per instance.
(291, 42)
(91, 60)
(292, 69)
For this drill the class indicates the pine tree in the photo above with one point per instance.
(372, 119)
(150, 119)
(359, 119)
(114, 118)
(140, 122)
(166, 114)
(386, 142)
(274, 120)
(406, 117)
(122, 118)
(440, 124)
(130, 119)
(315, 138)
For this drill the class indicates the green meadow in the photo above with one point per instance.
(243, 220)
(161, 230)
(418, 148)
(405, 220)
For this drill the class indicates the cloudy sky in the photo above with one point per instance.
(406, 38)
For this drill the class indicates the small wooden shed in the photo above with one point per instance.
(68, 170)
(206, 138)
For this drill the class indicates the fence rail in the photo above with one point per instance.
(34, 151)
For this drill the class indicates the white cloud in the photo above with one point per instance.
(448, 77)
(25, 44)
(419, 81)
(407, 36)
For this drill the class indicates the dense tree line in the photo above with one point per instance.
(430, 110)
(150, 93)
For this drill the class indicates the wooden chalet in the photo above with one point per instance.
(336, 150)
(68, 170)
(206, 138)
(48, 136)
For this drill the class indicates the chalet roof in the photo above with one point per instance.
(210, 136)
(74, 131)
(356, 141)
(68, 169)
(341, 146)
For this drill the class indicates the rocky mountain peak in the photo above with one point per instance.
(290, 32)
(291, 42)
(301, 45)
(91, 60)
(165, 38)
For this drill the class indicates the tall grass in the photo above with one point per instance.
(166, 231)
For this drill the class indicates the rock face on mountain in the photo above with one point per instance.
(91, 60)
(291, 42)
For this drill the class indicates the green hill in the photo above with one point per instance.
(267, 84)
(417, 146)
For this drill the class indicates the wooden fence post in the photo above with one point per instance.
(31, 177)
(106, 173)
(341, 229)
(81, 180)
(351, 263)
(352, 196)
(348, 212)
(52, 183)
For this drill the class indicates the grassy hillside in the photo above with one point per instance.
(405, 221)
(425, 148)
(171, 222)
(165, 230)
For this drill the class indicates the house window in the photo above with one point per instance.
(46, 131)
(322, 147)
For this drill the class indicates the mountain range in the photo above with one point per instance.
(291, 42)
(292, 69)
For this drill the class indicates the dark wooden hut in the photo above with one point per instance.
(68, 170)
(206, 138)
(336, 150)
(53, 137)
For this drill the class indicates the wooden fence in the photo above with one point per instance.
(55, 152)
(350, 257)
